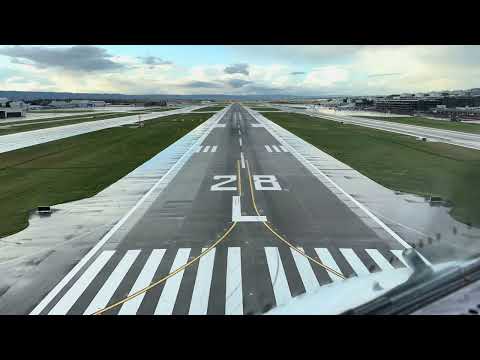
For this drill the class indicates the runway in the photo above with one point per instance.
(243, 226)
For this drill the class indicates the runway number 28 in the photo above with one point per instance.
(261, 182)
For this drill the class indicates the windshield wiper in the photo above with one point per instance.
(422, 288)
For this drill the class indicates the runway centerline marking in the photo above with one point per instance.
(242, 159)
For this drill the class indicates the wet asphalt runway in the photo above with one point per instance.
(254, 267)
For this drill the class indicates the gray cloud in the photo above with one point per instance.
(237, 69)
(153, 61)
(201, 84)
(382, 75)
(75, 58)
(297, 73)
(236, 83)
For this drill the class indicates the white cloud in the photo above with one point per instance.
(325, 76)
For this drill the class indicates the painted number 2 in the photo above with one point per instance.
(219, 187)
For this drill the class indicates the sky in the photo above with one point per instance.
(309, 70)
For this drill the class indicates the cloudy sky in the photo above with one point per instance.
(298, 70)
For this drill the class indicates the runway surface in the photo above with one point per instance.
(242, 227)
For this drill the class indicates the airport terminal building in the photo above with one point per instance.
(410, 105)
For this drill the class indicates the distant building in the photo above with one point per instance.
(12, 108)
(98, 103)
(60, 104)
(80, 103)
(405, 105)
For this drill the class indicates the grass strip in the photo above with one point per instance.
(81, 166)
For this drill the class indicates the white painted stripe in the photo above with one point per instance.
(379, 259)
(399, 255)
(170, 291)
(276, 148)
(54, 292)
(242, 160)
(77, 289)
(199, 148)
(283, 148)
(201, 289)
(239, 132)
(214, 148)
(307, 275)
(206, 148)
(144, 279)
(233, 293)
(268, 148)
(240, 141)
(355, 262)
(277, 276)
(104, 295)
(327, 259)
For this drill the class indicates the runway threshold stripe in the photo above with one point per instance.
(72, 295)
(203, 281)
(198, 149)
(276, 148)
(327, 259)
(206, 148)
(399, 255)
(214, 148)
(277, 276)
(268, 148)
(355, 262)
(144, 279)
(304, 267)
(233, 292)
(283, 148)
(379, 259)
(104, 295)
(169, 294)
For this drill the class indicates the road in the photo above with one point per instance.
(458, 138)
(242, 227)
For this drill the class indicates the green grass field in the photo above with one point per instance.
(439, 124)
(52, 123)
(78, 167)
(211, 108)
(398, 162)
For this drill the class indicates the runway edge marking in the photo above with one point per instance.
(304, 161)
(66, 279)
